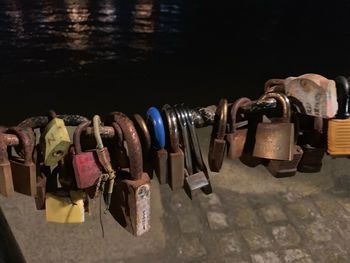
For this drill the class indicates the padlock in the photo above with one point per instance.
(156, 125)
(217, 144)
(55, 141)
(312, 142)
(87, 166)
(23, 169)
(196, 173)
(176, 156)
(338, 128)
(236, 138)
(275, 140)
(130, 204)
(315, 92)
(67, 208)
(6, 180)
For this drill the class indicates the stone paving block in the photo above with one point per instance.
(318, 232)
(302, 210)
(267, 257)
(290, 197)
(180, 203)
(189, 223)
(286, 236)
(344, 203)
(329, 207)
(211, 201)
(244, 217)
(343, 229)
(330, 253)
(190, 248)
(217, 220)
(273, 213)
(297, 256)
(229, 244)
(256, 238)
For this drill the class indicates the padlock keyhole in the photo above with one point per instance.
(58, 153)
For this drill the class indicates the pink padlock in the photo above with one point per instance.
(87, 167)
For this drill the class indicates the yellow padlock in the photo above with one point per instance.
(65, 210)
(55, 142)
(339, 128)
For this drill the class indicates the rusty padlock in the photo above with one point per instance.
(87, 166)
(339, 128)
(6, 181)
(130, 204)
(313, 143)
(23, 169)
(236, 138)
(156, 126)
(217, 144)
(275, 140)
(55, 141)
(176, 156)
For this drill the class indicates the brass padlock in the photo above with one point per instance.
(312, 141)
(217, 145)
(176, 156)
(275, 140)
(236, 138)
(156, 126)
(55, 141)
(65, 207)
(130, 204)
(24, 169)
(275, 85)
(339, 128)
(6, 181)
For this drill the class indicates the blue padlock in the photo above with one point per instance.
(157, 130)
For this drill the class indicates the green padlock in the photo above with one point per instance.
(55, 141)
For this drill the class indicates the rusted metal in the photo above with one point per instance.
(42, 121)
(107, 132)
(141, 128)
(133, 143)
(6, 180)
(24, 170)
(276, 85)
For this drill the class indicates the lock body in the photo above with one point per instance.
(280, 169)
(177, 168)
(87, 168)
(65, 210)
(55, 141)
(196, 183)
(6, 180)
(338, 137)
(24, 176)
(161, 165)
(217, 154)
(236, 141)
(311, 161)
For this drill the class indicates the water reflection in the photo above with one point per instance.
(78, 31)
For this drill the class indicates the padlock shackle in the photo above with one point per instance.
(118, 134)
(155, 117)
(185, 140)
(141, 127)
(234, 110)
(221, 121)
(133, 143)
(283, 100)
(26, 142)
(42, 121)
(171, 120)
(343, 89)
(96, 120)
(77, 134)
(275, 85)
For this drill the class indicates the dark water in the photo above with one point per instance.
(96, 56)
